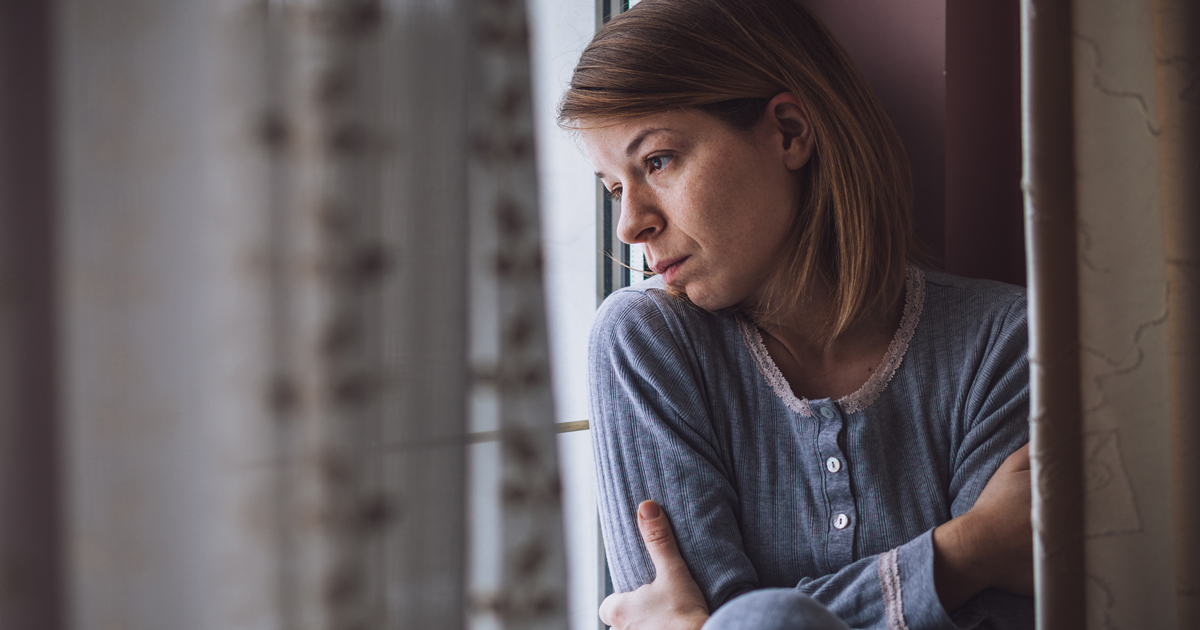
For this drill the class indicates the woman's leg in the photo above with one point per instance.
(774, 609)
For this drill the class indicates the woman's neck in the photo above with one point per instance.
(816, 368)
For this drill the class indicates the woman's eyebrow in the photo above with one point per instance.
(637, 141)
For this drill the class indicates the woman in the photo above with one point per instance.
(835, 434)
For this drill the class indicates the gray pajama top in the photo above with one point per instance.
(836, 498)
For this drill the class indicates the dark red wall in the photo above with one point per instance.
(900, 47)
(948, 72)
(985, 228)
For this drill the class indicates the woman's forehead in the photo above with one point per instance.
(623, 138)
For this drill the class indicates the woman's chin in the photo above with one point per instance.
(706, 299)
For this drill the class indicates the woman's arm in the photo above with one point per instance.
(653, 440)
(991, 546)
(988, 547)
(673, 600)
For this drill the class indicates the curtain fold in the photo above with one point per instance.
(503, 187)
(510, 352)
(1177, 63)
(1111, 97)
(1048, 182)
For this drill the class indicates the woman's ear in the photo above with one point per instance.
(787, 117)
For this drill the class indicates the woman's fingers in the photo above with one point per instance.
(673, 600)
(660, 541)
(609, 608)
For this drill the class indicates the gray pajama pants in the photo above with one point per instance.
(774, 609)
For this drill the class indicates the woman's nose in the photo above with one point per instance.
(640, 218)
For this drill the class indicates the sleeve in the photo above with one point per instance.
(996, 409)
(995, 424)
(653, 439)
(892, 590)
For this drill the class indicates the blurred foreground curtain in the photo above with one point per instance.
(244, 245)
(1112, 180)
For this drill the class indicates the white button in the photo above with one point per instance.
(827, 412)
(833, 464)
(841, 521)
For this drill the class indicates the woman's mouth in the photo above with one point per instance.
(668, 269)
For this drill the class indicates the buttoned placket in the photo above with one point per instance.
(843, 516)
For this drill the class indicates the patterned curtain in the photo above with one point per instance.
(289, 246)
(1112, 153)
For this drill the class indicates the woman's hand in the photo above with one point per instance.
(672, 601)
(991, 546)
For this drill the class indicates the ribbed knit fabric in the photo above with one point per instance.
(774, 609)
(835, 498)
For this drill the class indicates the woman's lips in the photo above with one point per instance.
(668, 268)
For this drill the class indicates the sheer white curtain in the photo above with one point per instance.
(293, 240)
(1112, 125)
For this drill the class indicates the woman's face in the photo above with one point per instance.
(712, 205)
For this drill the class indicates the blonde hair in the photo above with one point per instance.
(853, 228)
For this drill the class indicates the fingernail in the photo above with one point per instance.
(649, 511)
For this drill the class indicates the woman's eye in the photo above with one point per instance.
(614, 194)
(659, 162)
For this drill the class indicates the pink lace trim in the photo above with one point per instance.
(893, 595)
(914, 301)
(766, 366)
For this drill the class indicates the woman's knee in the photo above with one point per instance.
(774, 609)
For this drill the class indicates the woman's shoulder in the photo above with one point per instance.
(638, 301)
(974, 299)
(977, 326)
(649, 307)
(973, 286)
(649, 325)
